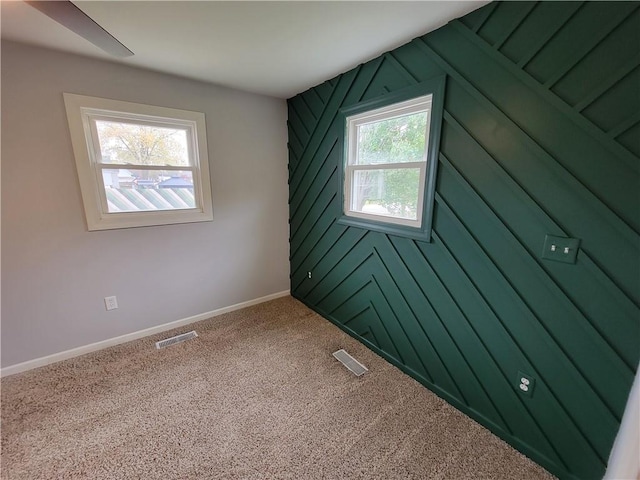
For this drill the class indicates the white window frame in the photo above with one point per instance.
(84, 111)
(353, 122)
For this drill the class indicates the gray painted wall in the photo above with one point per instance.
(55, 273)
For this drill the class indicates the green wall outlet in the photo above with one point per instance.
(525, 383)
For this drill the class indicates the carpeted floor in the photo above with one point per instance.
(257, 395)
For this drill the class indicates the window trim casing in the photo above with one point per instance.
(435, 87)
(80, 109)
(353, 121)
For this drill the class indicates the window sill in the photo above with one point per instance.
(422, 234)
(112, 221)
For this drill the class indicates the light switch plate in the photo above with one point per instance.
(560, 249)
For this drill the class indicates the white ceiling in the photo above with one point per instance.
(272, 48)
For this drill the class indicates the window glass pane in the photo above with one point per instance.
(390, 192)
(400, 139)
(130, 143)
(144, 190)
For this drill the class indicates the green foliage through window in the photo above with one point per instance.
(396, 140)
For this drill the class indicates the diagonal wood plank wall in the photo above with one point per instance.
(541, 135)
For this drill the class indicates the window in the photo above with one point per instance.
(139, 165)
(391, 147)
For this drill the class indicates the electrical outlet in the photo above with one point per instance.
(111, 303)
(308, 274)
(525, 384)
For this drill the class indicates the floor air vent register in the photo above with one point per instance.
(351, 363)
(176, 339)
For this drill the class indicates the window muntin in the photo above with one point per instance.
(386, 165)
(139, 165)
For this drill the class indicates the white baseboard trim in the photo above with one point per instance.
(75, 352)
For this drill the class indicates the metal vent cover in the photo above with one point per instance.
(351, 363)
(177, 339)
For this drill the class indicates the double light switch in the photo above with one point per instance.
(560, 249)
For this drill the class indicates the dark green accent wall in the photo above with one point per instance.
(541, 135)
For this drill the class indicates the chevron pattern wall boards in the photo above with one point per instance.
(540, 137)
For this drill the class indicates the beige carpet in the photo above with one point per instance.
(257, 396)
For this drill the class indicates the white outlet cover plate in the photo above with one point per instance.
(111, 303)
